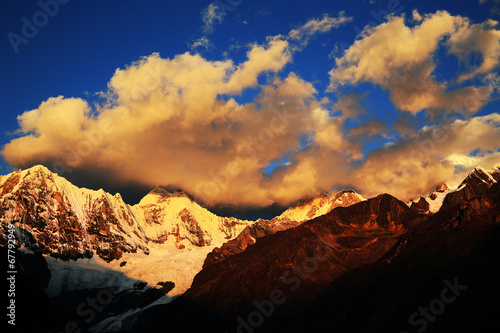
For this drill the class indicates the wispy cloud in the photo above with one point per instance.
(211, 16)
(202, 42)
(304, 33)
(495, 6)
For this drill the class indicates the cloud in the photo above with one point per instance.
(165, 122)
(461, 159)
(416, 16)
(412, 165)
(201, 42)
(481, 39)
(372, 128)
(400, 59)
(495, 6)
(179, 122)
(211, 16)
(263, 12)
(350, 105)
(304, 33)
(260, 59)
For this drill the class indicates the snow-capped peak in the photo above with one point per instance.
(62, 220)
(320, 205)
(159, 194)
(433, 202)
(482, 174)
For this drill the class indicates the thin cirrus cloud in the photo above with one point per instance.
(176, 122)
(203, 42)
(211, 16)
(304, 33)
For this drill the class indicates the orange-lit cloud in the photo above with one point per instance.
(178, 122)
(165, 123)
(411, 166)
(400, 59)
(481, 39)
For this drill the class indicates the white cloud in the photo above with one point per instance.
(168, 125)
(461, 159)
(481, 39)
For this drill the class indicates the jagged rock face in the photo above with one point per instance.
(57, 218)
(476, 183)
(341, 240)
(441, 188)
(60, 219)
(291, 218)
(460, 242)
(175, 218)
(384, 211)
(442, 196)
(422, 206)
(383, 263)
(247, 237)
(321, 205)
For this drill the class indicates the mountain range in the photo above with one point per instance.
(335, 262)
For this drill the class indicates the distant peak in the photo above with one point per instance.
(482, 174)
(479, 169)
(40, 168)
(160, 191)
(157, 190)
(441, 188)
(347, 192)
(37, 171)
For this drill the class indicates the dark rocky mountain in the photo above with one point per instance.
(376, 266)
(335, 263)
(476, 183)
(292, 217)
(421, 206)
(91, 241)
(441, 276)
(309, 256)
(296, 265)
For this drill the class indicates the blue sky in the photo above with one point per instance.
(75, 52)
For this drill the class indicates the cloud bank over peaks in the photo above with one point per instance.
(179, 122)
(413, 164)
(165, 122)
